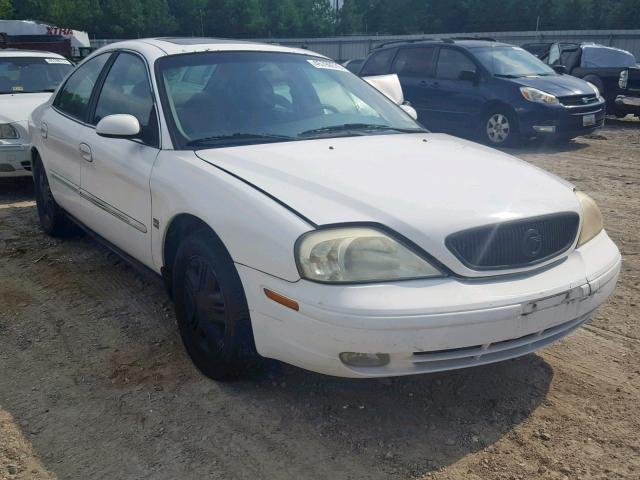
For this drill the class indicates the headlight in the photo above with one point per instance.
(591, 218)
(596, 90)
(624, 79)
(358, 254)
(538, 96)
(7, 131)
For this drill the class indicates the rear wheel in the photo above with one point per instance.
(211, 308)
(499, 129)
(53, 218)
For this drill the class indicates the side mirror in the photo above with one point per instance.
(118, 126)
(468, 75)
(409, 110)
(389, 85)
(561, 69)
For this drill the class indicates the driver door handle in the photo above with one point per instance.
(85, 151)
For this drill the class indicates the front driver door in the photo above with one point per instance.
(115, 176)
(458, 101)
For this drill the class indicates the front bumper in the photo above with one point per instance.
(430, 325)
(560, 120)
(628, 104)
(15, 160)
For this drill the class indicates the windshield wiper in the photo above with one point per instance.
(355, 127)
(238, 136)
(507, 75)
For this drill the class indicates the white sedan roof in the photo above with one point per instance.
(15, 52)
(177, 45)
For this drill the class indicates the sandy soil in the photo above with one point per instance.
(94, 382)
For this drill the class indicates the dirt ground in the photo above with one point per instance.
(94, 383)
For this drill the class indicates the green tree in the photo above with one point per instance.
(6, 9)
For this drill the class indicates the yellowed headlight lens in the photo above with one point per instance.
(592, 223)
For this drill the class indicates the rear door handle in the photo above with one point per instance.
(85, 151)
(435, 85)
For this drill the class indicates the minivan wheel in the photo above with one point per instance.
(499, 129)
(53, 218)
(211, 308)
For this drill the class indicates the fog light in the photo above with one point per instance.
(364, 359)
(545, 128)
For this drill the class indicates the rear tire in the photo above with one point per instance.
(499, 129)
(53, 218)
(211, 308)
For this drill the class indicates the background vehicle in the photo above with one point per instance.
(27, 79)
(46, 43)
(500, 92)
(614, 71)
(354, 65)
(256, 179)
(32, 35)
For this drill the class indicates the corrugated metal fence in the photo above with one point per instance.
(345, 48)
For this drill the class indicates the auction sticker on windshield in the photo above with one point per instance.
(57, 60)
(327, 64)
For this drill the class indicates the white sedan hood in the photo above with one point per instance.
(17, 107)
(423, 186)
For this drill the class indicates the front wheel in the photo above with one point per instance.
(53, 218)
(211, 308)
(499, 129)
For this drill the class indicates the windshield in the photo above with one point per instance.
(603, 57)
(511, 62)
(235, 98)
(32, 74)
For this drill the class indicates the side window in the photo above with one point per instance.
(554, 54)
(414, 62)
(378, 63)
(73, 98)
(451, 63)
(126, 90)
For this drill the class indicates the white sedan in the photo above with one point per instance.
(27, 79)
(297, 213)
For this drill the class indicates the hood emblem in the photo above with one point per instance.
(532, 243)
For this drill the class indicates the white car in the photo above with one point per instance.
(296, 212)
(27, 79)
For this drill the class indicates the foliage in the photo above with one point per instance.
(308, 18)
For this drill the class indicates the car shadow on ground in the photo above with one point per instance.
(426, 421)
(16, 189)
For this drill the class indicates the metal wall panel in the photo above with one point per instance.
(345, 48)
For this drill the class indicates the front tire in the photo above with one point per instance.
(211, 308)
(499, 129)
(53, 219)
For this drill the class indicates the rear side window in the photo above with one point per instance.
(414, 62)
(378, 63)
(73, 98)
(451, 63)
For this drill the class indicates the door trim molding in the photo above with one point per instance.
(132, 222)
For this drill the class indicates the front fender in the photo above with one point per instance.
(257, 231)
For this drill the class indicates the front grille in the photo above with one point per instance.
(515, 244)
(578, 100)
(5, 167)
